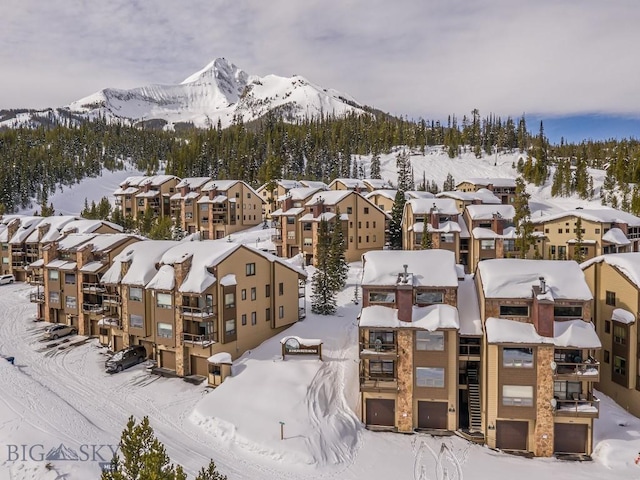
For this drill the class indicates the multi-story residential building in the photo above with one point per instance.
(286, 221)
(383, 199)
(538, 364)
(138, 194)
(72, 290)
(314, 184)
(15, 259)
(373, 184)
(604, 230)
(363, 224)
(503, 188)
(201, 299)
(184, 208)
(463, 199)
(492, 233)
(349, 184)
(408, 330)
(441, 219)
(226, 207)
(271, 191)
(614, 280)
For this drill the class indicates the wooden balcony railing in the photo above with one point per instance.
(200, 338)
(378, 349)
(88, 287)
(198, 313)
(37, 297)
(378, 383)
(583, 405)
(586, 371)
(93, 308)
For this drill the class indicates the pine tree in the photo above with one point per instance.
(522, 219)
(426, 242)
(449, 184)
(210, 473)
(578, 255)
(323, 296)
(375, 166)
(395, 224)
(338, 267)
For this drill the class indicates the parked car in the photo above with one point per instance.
(4, 279)
(53, 332)
(126, 358)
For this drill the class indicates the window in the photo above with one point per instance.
(307, 242)
(566, 230)
(381, 369)
(267, 314)
(374, 224)
(517, 357)
(281, 312)
(243, 319)
(54, 297)
(366, 209)
(243, 294)
(546, 230)
(607, 326)
(229, 300)
(619, 365)
(446, 237)
(430, 297)
(430, 377)
(135, 321)
(250, 269)
(381, 340)
(567, 311)
(559, 230)
(165, 330)
(606, 356)
(359, 225)
(349, 210)
(267, 290)
(248, 195)
(487, 244)
(253, 293)
(597, 230)
(70, 278)
(290, 221)
(382, 297)
(254, 318)
(70, 303)
(514, 311)
(566, 390)
(610, 298)
(189, 215)
(281, 289)
(431, 341)
(230, 327)
(619, 334)
(54, 275)
(517, 396)
(163, 300)
(135, 294)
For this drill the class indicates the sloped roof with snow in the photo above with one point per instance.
(165, 279)
(143, 256)
(314, 184)
(568, 333)
(469, 307)
(299, 193)
(496, 182)
(74, 240)
(429, 318)
(330, 197)
(56, 224)
(27, 226)
(89, 226)
(349, 182)
(376, 183)
(483, 195)
(600, 215)
(224, 185)
(433, 268)
(411, 194)
(386, 193)
(623, 316)
(193, 182)
(616, 236)
(627, 263)
(514, 278)
(486, 212)
(424, 206)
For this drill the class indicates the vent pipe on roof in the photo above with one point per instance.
(543, 285)
(405, 275)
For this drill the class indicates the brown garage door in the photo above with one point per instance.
(168, 359)
(570, 438)
(199, 366)
(381, 412)
(118, 343)
(432, 415)
(511, 435)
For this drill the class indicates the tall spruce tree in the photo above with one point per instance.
(449, 184)
(522, 219)
(323, 296)
(375, 166)
(578, 254)
(425, 242)
(395, 224)
(338, 267)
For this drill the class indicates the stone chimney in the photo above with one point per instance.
(497, 224)
(404, 295)
(12, 228)
(184, 190)
(124, 268)
(542, 311)
(50, 252)
(42, 230)
(435, 217)
(318, 208)
(622, 226)
(84, 255)
(287, 203)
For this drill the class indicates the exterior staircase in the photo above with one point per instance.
(475, 413)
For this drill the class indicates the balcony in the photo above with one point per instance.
(197, 313)
(219, 210)
(276, 238)
(576, 372)
(378, 384)
(37, 297)
(93, 308)
(378, 350)
(583, 405)
(37, 279)
(17, 253)
(201, 339)
(92, 288)
(111, 299)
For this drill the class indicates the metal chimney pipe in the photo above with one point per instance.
(405, 274)
(543, 285)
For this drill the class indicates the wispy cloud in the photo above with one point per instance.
(420, 59)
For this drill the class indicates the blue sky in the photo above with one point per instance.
(575, 67)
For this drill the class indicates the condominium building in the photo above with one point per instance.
(139, 194)
(286, 220)
(184, 209)
(271, 191)
(492, 233)
(463, 199)
(503, 188)
(355, 184)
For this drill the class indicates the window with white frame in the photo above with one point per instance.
(54, 297)
(517, 357)
(229, 300)
(163, 300)
(382, 297)
(135, 321)
(432, 377)
(446, 237)
(487, 244)
(517, 395)
(230, 327)
(70, 302)
(429, 341)
(54, 275)
(165, 330)
(135, 294)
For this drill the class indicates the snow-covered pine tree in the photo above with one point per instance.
(323, 296)
(338, 267)
(522, 219)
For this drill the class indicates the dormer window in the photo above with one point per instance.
(382, 297)
(429, 297)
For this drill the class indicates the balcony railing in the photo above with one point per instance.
(378, 383)
(17, 253)
(93, 288)
(36, 280)
(378, 349)
(197, 312)
(589, 372)
(37, 297)
(111, 299)
(203, 339)
(276, 238)
(468, 350)
(580, 406)
(93, 308)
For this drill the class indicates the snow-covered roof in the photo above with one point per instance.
(216, 199)
(89, 226)
(106, 241)
(496, 182)
(220, 358)
(92, 267)
(469, 307)
(483, 195)
(329, 197)
(349, 183)
(412, 194)
(314, 184)
(299, 193)
(616, 236)
(219, 185)
(74, 240)
(292, 212)
(143, 257)
(433, 268)
(430, 318)
(627, 263)
(486, 212)
(514, 278)
(444, 227)
(376, 183)
(126, 191)
(148, 194)
(140, 181)
(55, 223)
(600, 215)
(190, 195)
(303, 341)
(27, 226)
(229, 279)
(193, 182)
(57, 263)
(487, 234)
(623, 316)
(568, 333)
(424, 206)
(464, 231)
(386, 193)
(165, 279)
(37, 264)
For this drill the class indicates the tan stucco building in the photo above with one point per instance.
(492, 234)
(503, 188)
(138, 194)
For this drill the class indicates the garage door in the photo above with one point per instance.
(432, 415)
(511, 435)
(381, 412)
(168, 360)
(118, 343)
(570, 438)
(199, 366)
